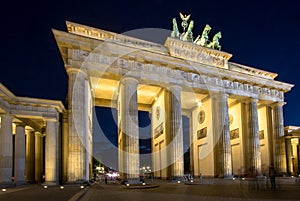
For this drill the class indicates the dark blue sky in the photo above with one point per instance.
(261, 34)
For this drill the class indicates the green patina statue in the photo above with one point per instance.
(175, 33)
(188, 35)
(203, 40)
(215, 43)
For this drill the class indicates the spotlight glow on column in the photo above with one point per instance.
(199, 103)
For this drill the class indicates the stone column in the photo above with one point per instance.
(289, 156)
(192, 163)
(30, 156)
(78, 123)
(176, 134)
(65, 147)
(20, 155)
(254, 155)
(221, 132)
(129, 129)
(6, 150)
(278, 132)
(51, 152)
(38, 157)
(294, 143)
(270, 135)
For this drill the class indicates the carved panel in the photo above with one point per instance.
(261, 135)
(159, 130)
(234, 134)
(202, 133)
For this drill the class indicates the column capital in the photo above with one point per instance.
(278, 104)
(7, 116)
(250, 100)
(50, 120)
(37, 133)
(174, 86)
(125, 80)
(20, 124)
(218, 93)
(76, 70)
(29, 130)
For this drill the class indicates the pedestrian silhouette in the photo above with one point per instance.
(272, 175)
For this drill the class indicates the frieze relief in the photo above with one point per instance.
(192, 79)
(192, 52)
(198, 57)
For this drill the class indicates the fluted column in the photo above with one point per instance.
(129, 130)
(30, 156)
(78, 123)
(176, 134)
(221, 134)
(254, 155)
(51, 152)
(20, 155)
(278, 132)
(289, 156)
(65, 146)
(6, 150)
(38, 157)
(295, 143)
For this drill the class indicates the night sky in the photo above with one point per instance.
(261, 34)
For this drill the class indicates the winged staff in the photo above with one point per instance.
(187, 35)
(185, 20)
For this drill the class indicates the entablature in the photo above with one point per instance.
(164, 76)
(95, 62)
(29, 107)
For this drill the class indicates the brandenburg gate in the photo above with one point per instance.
(235, 111)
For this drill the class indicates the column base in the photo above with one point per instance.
(20, 183)
(132, 181)
(50, 183)
(178, 178)
(225, 176)
(228, 177)
(7, 184)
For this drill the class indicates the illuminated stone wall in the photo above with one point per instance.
(203, 140)
(236, 135)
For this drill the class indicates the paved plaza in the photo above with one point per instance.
(162, 190)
